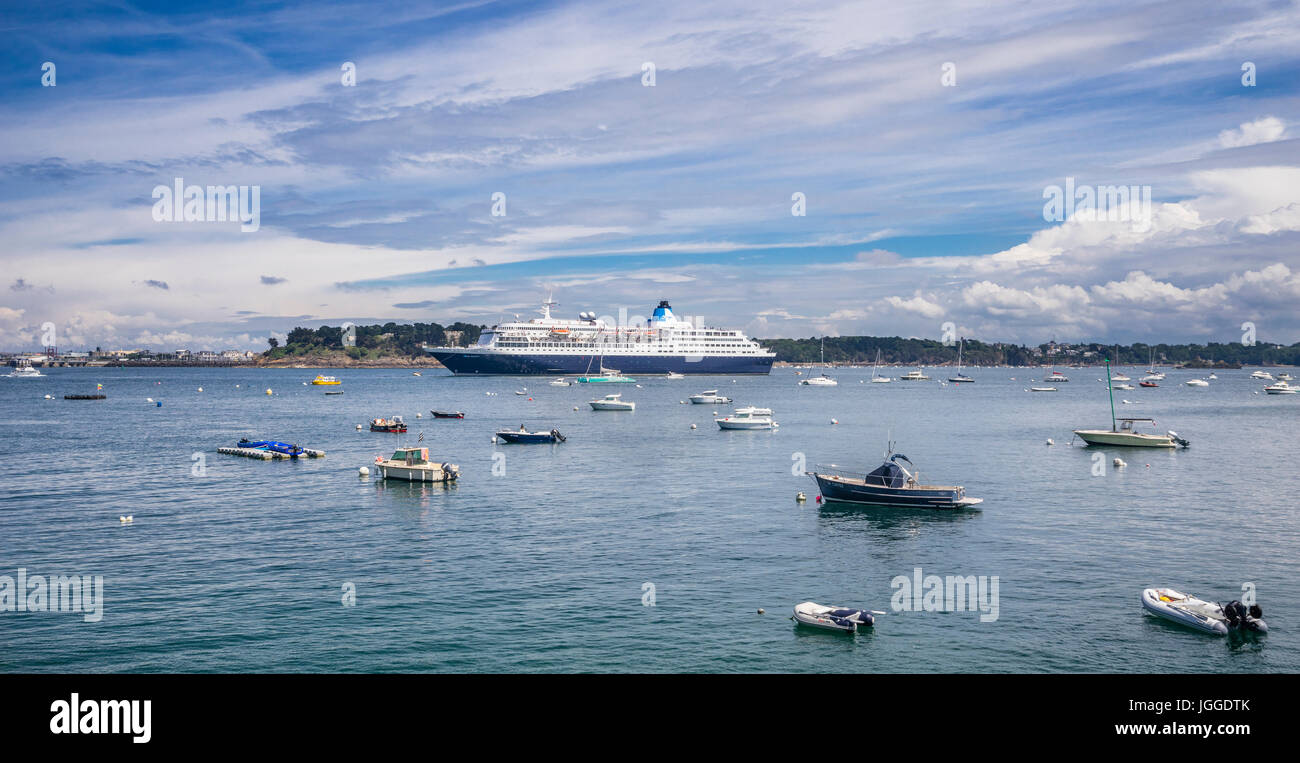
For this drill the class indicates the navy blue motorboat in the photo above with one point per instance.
(524, 437)
(890, 484)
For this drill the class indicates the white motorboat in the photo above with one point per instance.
(878, 379)
(710, 397)
(413, 465)
(674, 375)
(612, 403)
(25, 370)
(1042, 389)
(1123, 432)
(1056, 376)
(819, 381)
(916, 375)
(1286, 377)
(1213, 377)
(1197, 383)
(748, 418)
(1281, 388)
(1123, 386)
(1265, 375)
(844, 619)
(1204, 616)
(1120, 378)
(561, 382)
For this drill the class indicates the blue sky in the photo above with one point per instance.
(924, 199)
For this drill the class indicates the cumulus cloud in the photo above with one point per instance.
(1264, 130)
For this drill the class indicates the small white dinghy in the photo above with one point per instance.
(832, 618)
(1204, 616)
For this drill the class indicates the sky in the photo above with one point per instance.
(792, 169)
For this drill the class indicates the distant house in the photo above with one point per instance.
(453, 337)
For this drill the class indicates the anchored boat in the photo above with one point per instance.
(960, 378)
(523, 436)
(845, 619)
(325, 381)
(551, 346)
(890, 484)
(611, 403)
(748, 418)
(709, 396)
(413, 465)
(1204, 616)
(1123, 430)
(393, 424)
(447, 414)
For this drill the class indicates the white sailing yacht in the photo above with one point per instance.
(878, 379)
(960, 378)
(823, 380)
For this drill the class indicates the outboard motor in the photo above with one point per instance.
(1235, 613)
(1241, 617)
(556, 434)
(1174, 436)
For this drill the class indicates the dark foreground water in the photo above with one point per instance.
(543, 566)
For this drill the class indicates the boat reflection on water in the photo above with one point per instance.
(886, 523)
(415, 495)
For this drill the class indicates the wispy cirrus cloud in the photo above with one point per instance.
(920, 201)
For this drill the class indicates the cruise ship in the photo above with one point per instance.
(553, 346)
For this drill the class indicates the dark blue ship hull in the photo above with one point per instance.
(879, 495)
(472, 363)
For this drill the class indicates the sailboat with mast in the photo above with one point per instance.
(823, 380)
(1123, 431)
(1120, 377)
(878, 379)
(606, 375)
(1152, 374)
(960, 378)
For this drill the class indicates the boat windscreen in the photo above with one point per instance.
(888, 474)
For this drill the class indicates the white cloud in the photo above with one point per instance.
(1263, 130)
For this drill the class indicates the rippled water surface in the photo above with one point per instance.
(542, 567)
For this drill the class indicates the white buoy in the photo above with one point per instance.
(419, 415)
(835, 421)
(49, 397)
(1118, 462)
(681, 402)
(126, 520)
(358, 427)
(363, 471)
(575, 407)
(200, 389)
(692, 426)
(1049, 441)
(761, 610)
(148, 399)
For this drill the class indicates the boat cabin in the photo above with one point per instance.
(411, 456)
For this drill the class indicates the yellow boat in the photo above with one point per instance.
(319, 380)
